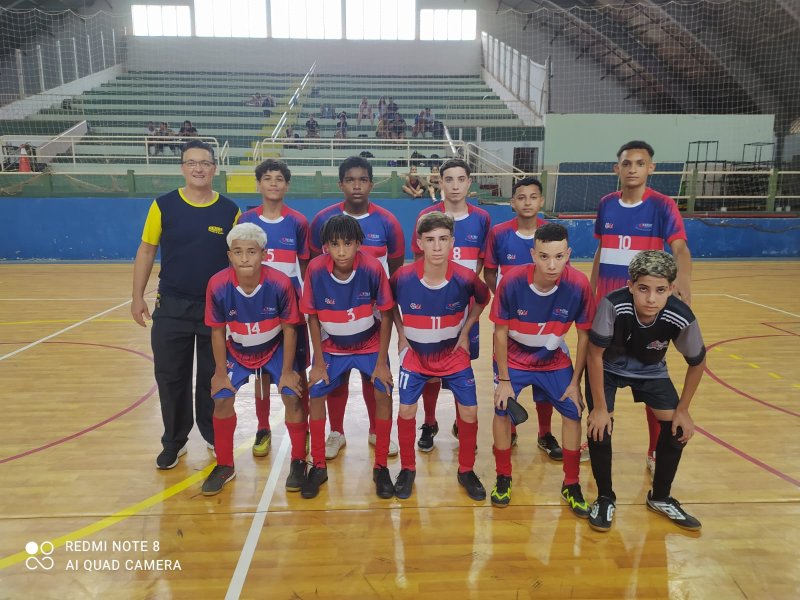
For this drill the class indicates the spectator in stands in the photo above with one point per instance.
(268, 101)
(382, 107)
(254, 100)
(365, 111)
(341, 126)
(398, 127)
(327, 111)
(151, 132)
(382, 131)
(434, 183)
(414, 186)
(290, 133)
(430, 119)
(187, 130)
(167, 139)
(419, 124)
(312, 128)
(391, 109)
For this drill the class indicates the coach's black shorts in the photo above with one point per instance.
(659, 394)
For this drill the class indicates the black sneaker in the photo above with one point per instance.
(473, 485)
(383, 482)
(169, 457)
(316, 477)
(513, 438)
(601, 513)
(221, 475)
(297, 475)
(549, 444)
(404, 483)
(263, 442)
(501, 494)
(671, 508)
(429, 432)
(572, 495)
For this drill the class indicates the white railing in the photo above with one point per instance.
(292, 102)
(90, 148)
(224, 154)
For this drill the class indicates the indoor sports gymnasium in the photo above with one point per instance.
(137, 464)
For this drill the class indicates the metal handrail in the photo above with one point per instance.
(292, 101)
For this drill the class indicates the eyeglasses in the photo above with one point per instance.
(205, 164)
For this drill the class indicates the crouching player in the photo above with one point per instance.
(627, 346)
(252, 311)
(438, 302)
(344, 291)
(534, 308)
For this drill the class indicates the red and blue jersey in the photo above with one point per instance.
(348, 311)
(433, 317)
(383, 236)
(287, 241)
(252, 321)
(506, 246)
(538, 321)
(624, 230)
(470, 233)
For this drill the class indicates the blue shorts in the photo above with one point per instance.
(462, 384)
(548, 386)
(338, 365)
(239, 374)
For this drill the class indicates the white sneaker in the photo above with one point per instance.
(333, 444)
(651, 465)
(585, 451)
(393, 449)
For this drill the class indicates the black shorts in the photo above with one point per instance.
(659, 394)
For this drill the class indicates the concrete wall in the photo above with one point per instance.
(110, 229)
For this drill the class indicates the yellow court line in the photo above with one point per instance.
(735, 356)
(775, 376)
(50, 321)
(125, 513)
(755, 366)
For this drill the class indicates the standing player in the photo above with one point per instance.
(511, 243)
(287, 251)
(472, 225)
(438, 301)
(384, 240)
(252, 311)
(344, 290)
(633, 219)
(189, 225)
(534, 308)
(627, 348)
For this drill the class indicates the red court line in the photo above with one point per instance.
(747, 457)
(737, 390)
(125, 411)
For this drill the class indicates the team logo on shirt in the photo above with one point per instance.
(522, 313)
(288, 241)
(609, 226)
(268, 310)
(415, 306)
(216, 229)
(560, 312)
(373, 236)
(232, 313)
(454, 306)
(470, 381)
(471, 237)
(330, 301)
(363, 294)
(511, 257)
(656, 345)
(644, 226)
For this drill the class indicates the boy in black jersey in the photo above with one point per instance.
(630, 335)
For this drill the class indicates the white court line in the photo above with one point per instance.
(249, 548)
(52, 335)
(786, 312)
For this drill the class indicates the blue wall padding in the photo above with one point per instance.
(110, 229)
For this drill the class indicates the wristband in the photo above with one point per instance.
(498, 379)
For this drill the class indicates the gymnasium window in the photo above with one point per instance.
(444, 24)
(380, 19)
(161, 20)
(230, 18)
(307, 19)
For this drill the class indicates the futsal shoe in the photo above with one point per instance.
(573, 496)
(168, 458)
(404, 483)
(601, 513)
(220, 475)
(472, 485)
(671, 509)
(333, 444)
(501, 494)
(297, 475)
(429, 432)
(316, 477)
(263, 442)
(549, 444)
(383, 482)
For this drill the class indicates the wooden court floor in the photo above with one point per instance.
(81, 427)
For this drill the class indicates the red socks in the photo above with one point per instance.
(262, 406)
(572, 466)
(502, 461)
(544, 412)
(223, 439)
(654, 427)
(317, 442)
(383, 429)
(337, 401)
(430, 394)
(467, 440)
(406, 432)
(297, 434)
